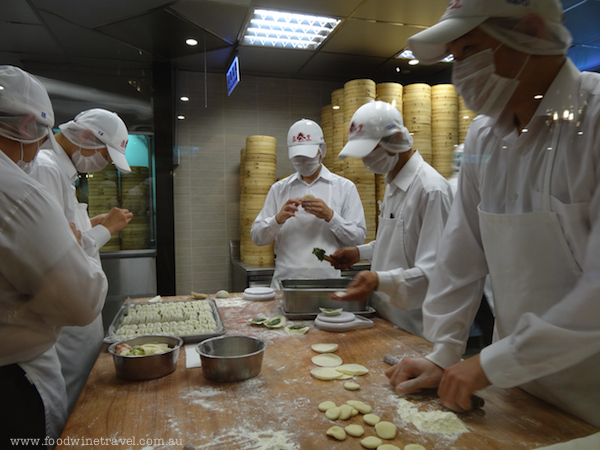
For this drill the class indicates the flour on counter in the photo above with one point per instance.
(199, 397)
(231, 302)
(245, 439)
(442, 422)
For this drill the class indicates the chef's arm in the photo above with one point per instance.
(265, 227)
(349, 225)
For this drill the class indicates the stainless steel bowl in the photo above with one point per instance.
(146, 367)
(231, 358)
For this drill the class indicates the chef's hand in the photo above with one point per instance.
(360, 289)
(288, 210)
(413, 374)
(97, 220)
(76, 232)
(317, 207)
(459, 382)
(345, 257)
(117, 219)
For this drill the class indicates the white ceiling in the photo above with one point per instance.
(119, 39)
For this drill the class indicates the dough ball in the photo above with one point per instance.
(324, 348)
(371, 419)
(327, 360)
(345, 412)
(385, 430)
(333, 413)
(414, 447)
(325, 373)
(351, 386)
(307, 196)
(362, 407)
(337, 432)
(222, 294)
(353, 369)
(388, 447)
(326, 405)
(371, 442)
(355, 430)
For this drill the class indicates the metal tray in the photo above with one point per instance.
(111, 336)
(369, 312)
(302, 296)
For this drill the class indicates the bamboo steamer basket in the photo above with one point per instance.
(327, 126)
(337, 98)
(360, 82)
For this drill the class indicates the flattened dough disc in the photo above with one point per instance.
(344, 322)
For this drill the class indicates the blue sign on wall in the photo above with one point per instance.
(233, 75)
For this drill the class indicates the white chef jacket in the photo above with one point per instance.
(54, 169)
(502, 173)
(46, 282)
(421, 198)
(347, 224)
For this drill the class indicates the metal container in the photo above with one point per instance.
(231, 358)
(301, 296)
(146, 367)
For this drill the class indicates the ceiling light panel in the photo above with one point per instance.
(288, 30)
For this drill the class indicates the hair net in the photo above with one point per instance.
(556, 42)
(391, 144)
(323, 150)
(22, 129)
(81, 136)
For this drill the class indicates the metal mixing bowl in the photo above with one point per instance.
(146, 367)
(231, 358)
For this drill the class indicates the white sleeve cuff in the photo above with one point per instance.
(500, 366)
(445, 354)
(365, 252)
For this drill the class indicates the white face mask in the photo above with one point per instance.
(25, 166)
(484, 91)
(87, 164)
(380, 161)
(306, 166)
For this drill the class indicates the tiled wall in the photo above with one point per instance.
(206, 181)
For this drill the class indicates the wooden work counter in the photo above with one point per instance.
(280, 405)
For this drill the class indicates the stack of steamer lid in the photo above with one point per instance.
(337, 106)
(465, 117)
(103, 195)
(390, 93)
(327, 127)
(444, 127)
(135, 195)
(356, 94)
(257, 173)
(416, 99)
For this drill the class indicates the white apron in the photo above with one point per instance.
(294, 245)
(390, 254)
(77, 365)
(531, 269)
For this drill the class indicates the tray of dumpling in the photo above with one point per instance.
(191, 320)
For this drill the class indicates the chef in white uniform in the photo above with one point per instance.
(333, 218)
(412, 217)
(46, 279)
(527, 211)
(85, 144)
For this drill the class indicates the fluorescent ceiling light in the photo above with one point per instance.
(288, 30)
(408, 54)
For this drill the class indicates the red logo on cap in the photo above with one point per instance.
(301, 138)
(455, 4)
(355, 129)
(123, 144)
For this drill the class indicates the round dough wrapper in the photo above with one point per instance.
(325, 373)
(385, 430)
(345, 376)
(337, 432)
(351, 386)
(327, 360)
(371, 442)
(326, 405)
(371, 419)
(389, 447)
(355, 430)
(414, 447)
(353, 369)
(324, 348)
(333, 413)
(362, 407)
(345, 412)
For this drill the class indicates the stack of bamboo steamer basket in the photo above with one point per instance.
(444, 127)
(390, 93)
(327, 127)
(103, 195)
(416, 100)
(135, 195)
(356, 94)
(465, 117)
(337, 112)
(257, 174)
